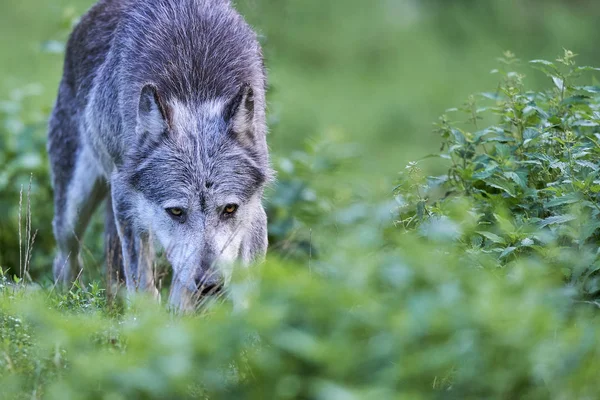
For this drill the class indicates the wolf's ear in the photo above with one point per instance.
(239, 112)
(152, 116)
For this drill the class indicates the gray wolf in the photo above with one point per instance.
(161, 108)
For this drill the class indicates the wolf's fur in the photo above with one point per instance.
(162, 105)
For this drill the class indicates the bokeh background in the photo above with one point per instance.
(367, 77)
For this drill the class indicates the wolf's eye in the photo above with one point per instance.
(175, 212)
(230, 209)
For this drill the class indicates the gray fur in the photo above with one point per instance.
(162, 105)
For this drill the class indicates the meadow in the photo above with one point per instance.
(433, 228)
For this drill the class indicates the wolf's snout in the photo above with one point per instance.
(208, 285)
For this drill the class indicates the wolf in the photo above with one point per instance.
(161, 110)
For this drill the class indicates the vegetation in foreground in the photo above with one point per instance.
(485, 288)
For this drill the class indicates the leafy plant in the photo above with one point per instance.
(531, 180)
(298, 201)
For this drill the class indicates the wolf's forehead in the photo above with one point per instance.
(170, 174)
(199, 132)
(186, 117)
(198, 157)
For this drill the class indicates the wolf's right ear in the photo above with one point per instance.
(152, 116)
(239, 112)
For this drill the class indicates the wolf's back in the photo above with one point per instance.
(198, 48)
(193, 51)
(89, 45)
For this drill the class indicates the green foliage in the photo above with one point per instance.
(78, 299)
(297, 202)
(412, 322)
(531, 179)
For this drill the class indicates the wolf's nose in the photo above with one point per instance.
(208, 287)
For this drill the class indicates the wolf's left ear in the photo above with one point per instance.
(239, 112)
(152, 114)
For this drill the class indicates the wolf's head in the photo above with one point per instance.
(198, 172)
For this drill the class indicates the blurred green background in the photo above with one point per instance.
(372, 73)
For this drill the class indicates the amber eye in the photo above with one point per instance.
(230, 209)
(175, 212)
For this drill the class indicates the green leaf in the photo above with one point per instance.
(501, 184)
(576, 100)
(589, 89)
(557, 219)
(507, 251)
(458, 136)
(587, 164)
(545, 66)
(492, 236)
(543, 62)
(570, 198)
(516, 178)
(527, 242)
(503, 150)
(558, 82)
(487, 172)
(588, 229)
(587, 68)
(584, 122)
(530, 133)
(491, 95)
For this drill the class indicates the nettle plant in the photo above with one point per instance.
(527, 185)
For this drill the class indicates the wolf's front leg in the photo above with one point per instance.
(138, 252)
(138, 256)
